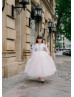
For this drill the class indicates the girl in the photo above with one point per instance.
(40, 64)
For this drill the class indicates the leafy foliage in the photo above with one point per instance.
(58, 44)
(63, 17)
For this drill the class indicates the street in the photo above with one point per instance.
(57, 85)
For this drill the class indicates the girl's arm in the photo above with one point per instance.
(47, 50)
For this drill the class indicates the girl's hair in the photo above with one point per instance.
(39, 37)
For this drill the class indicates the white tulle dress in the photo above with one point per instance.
(40, 64)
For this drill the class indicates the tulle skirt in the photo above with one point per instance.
(40, 65)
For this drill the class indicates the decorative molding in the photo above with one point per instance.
(49, 8)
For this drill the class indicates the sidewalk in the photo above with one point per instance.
(54, 86)
(57, 85)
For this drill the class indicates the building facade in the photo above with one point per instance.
(20, 32)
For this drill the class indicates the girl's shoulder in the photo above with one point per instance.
(34, 44)
(44, 44)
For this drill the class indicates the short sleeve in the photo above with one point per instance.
(47, 49)
(33, 48)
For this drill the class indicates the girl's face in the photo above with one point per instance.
(39, 40)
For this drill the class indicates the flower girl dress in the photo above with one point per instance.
(40, 64)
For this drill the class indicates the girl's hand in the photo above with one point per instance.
(44, 49)
(49, 54)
